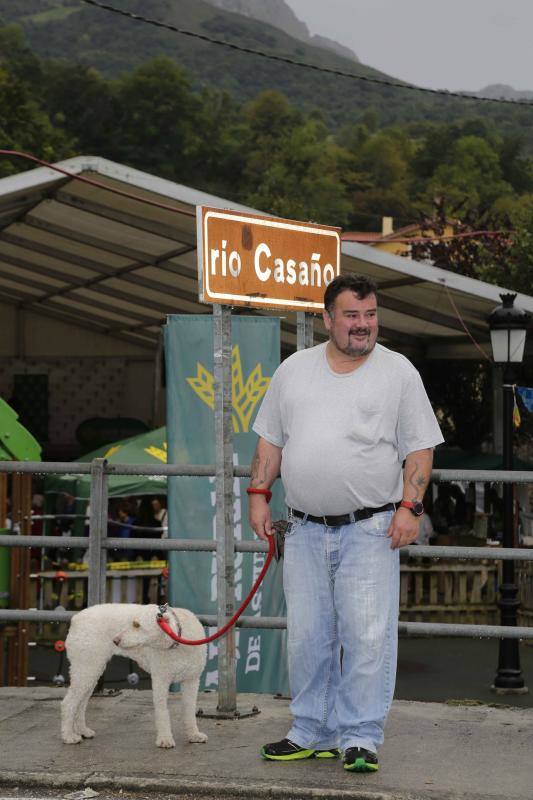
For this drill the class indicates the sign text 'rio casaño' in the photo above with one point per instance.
(264, 262)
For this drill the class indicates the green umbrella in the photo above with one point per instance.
(148, 448)
(16, 443)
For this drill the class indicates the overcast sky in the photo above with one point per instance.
(443, 44)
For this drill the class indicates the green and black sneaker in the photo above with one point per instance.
(357, 759)
(285, 750)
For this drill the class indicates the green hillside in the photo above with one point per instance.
(72, 31)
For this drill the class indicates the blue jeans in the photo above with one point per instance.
(342, 590)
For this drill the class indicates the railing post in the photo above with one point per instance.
(304, 330)
(509, 678)
(227, 659)
(96, 589)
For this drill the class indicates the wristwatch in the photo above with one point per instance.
(415, 508)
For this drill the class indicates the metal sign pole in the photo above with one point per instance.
(304, 330)
(96, 590)
(227, 660)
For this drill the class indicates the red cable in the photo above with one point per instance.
(99, 185)
(168, 630)
(446, 237)
(463, 323)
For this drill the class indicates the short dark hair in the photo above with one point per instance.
(358, 284)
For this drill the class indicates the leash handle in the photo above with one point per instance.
(225, 628)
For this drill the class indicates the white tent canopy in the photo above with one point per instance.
(112, 263)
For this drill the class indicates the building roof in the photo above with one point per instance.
(82, 254)
(361, 236)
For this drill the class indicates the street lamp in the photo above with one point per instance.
(508, 326)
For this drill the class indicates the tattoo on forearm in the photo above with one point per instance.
(254, 468)
(259, 470)
(417, 481)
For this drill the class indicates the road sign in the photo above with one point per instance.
(264, 262)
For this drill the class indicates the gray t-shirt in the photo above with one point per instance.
(345, 436)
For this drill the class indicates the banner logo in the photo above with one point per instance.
(158, 452)
(245, 394)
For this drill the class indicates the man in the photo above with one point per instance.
(339, 420)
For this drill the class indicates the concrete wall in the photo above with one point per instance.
(85, 387)
(89, 374)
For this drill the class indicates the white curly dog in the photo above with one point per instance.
(131, 630)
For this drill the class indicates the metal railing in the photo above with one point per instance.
(97, 543)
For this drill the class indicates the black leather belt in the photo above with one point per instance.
(344, 519)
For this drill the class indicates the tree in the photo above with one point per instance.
(381, 176)
(499, 251)
(293, 166)
(24, 126)
(459, 395)
(78, 99)
(472, 175)
(156, 124)
(384, 159)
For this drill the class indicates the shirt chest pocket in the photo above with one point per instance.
(371, 418)
(365, 424)
(366, 410)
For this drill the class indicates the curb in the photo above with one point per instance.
(80, 780)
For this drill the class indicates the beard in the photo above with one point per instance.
(352, 348)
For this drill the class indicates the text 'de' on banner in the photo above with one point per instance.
(261, 654)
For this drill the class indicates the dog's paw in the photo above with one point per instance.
(165, 741)
(87, 733)
(72, 738)
(200, 738)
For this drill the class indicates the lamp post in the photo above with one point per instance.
(508, 326)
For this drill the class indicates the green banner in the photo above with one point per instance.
(261, 654)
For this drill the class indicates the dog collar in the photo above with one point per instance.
(164, 609)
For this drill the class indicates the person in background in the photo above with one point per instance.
(37, 510)
(159, 507)
(122, 530)
(151, 516)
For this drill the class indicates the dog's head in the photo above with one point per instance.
(143, 630)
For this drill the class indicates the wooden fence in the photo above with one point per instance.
(68, 588)
(449, 592)
(443, 591)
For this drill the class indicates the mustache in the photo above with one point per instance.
(360, 331)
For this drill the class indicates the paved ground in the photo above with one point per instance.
(433, 751)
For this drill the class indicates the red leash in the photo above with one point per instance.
(168, 630)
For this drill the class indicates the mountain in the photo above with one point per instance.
(77, 33)
(499, 91)
(72, 31)
(278, 14)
